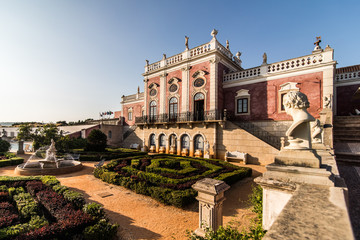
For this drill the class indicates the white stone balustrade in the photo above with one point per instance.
(248, 73)
(295, 63)
(347, 76)
(200, 50)
(224, 50)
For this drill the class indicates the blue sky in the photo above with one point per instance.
(69, 60)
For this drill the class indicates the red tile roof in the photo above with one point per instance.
(353, 68)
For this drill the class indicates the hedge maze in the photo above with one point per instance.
(168, 178)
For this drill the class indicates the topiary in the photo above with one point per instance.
(96, 141)
(4, 146)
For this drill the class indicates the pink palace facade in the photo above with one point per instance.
(201, 102)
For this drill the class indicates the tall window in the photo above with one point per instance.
(199, 142)
(109, 134)
(242, 105)
(173, 108)
(130, 115)
(185, 142)
(162, 140)
(152, 140)
(152, 110)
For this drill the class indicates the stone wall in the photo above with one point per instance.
(114, 134)
(276, 128)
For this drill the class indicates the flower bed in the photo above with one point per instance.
(40, 208)
(168, 178)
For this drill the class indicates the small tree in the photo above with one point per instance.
(24, 132)
(4, 146)
(43, 136)
(96, 141)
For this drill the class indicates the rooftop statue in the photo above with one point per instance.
(187, 42)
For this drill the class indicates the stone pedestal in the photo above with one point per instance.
(152, 148)
(211, 198)
(21, 148)
(172, 150)
(162, 149)
(198, 153)
(184, 152)
(326, 120)
(298, 157)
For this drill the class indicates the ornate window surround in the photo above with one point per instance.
(174, 80)
(284, 89)
(199, 74)
(130, 114)
(151, 87)
(241, 94)
(203, 91)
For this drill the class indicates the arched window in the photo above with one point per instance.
(185, 142)
(162, 140)
(199, 96)
(109, 134)
(199, 142)
(173, 108)
(152, 110)
(152, 140)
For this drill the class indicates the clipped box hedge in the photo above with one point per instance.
(11, 161)
(168, 178)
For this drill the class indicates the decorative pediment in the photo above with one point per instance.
(153, 85)
(289, 86)
(242, 93)
(174, 80)
(199, 73)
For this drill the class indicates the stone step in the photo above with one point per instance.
(346, 132)
(348, 161)
(347, 155)
(346, 139)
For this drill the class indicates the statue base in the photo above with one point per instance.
(298, 157)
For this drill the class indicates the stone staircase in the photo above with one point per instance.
(260, 133)
(347, 139)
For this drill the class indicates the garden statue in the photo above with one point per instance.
(298, 134)
(316, 131)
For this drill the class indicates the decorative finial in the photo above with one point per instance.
(264, 58)
(238, 54)
(147, 62)
(187, 42)
(138, 89)
(214, 32)
(227, 45)
(317, 43)
(164, 56)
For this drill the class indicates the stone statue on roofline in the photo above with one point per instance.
(187, 42)
(264, 58)
(227, 45)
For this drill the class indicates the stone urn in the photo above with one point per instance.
(152, 148)
(198, 153)
(184, 152)
(172, 150)
(162, 149)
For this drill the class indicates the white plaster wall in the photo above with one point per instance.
(273, 203)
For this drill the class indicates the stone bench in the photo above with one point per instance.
(236, 155)
(134, 146)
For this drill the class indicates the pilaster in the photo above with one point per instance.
(185, 89)
(214, 83)
(162, 109)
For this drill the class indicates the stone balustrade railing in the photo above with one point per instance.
(252, 72)
(288, 65)
(295, 63)
(347, 76)
(190, 53)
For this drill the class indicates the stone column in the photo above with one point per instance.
(21, 147)
(185, 89)
(191, 150)
(213, 83)
(178, 147)
(162, 109)
(211, 198)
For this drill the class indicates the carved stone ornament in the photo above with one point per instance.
(316, 131)
(174, 80)
(199, 73)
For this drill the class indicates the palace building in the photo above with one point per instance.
(201, 102)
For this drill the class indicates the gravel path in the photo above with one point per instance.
(141, 217)
(352, 179)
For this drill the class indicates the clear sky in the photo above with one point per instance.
(69, 60)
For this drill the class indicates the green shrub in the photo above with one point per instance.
(15, 191)
(95, 210)
(12, 231)
(26, 205)
(100, 231)
(75, 198)
(50, 180)
(60, 189)
(96, 141)
(4, 146)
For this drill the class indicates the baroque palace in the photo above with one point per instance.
(201, 102)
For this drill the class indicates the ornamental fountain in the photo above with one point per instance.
(50, 165)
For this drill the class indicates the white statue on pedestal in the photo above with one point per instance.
(298, 134)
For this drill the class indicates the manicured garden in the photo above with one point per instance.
(168, 178)
(40, 208)
(9, 159)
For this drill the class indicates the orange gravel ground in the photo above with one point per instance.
(141, 217)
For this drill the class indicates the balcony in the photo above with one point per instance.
(187, 117)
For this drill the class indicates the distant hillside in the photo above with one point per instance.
(6, 123)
